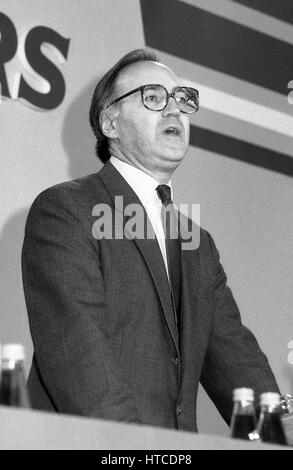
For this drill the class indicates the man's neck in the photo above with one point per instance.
(161, 175)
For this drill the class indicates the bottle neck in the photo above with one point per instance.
(10, 364)
(243, 407)
(270, 408)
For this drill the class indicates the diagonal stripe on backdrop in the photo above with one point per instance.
(240, 150)
(282, 9)
(201, 37)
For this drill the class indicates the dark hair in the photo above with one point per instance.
(104, 93)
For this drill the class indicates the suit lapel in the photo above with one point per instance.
(190, 276)
(149, 247)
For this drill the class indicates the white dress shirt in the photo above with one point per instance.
(145, 188)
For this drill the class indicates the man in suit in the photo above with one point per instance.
(126, 327)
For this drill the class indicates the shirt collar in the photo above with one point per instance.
(142, 184)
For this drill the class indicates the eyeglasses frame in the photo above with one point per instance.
(169, 95)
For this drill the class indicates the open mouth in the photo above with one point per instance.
(172, 131)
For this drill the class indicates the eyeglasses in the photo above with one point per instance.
(156, 97)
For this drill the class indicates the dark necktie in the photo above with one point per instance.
(169, 219)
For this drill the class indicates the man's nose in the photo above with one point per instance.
(171, 107)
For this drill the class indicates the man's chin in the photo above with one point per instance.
(174, 157)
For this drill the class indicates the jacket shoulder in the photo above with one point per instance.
(85, 191)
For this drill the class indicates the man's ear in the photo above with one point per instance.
(108, 124)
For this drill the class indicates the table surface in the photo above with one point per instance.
(27, 429)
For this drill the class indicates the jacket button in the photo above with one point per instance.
(175, 361)
(178, 410)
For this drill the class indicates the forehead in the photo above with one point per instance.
(143, 73)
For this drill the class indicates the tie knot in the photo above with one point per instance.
(164, 192)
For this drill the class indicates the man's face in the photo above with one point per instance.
(145, 137)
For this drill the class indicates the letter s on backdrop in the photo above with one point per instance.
(44, 67)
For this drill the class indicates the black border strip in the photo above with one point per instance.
(240, 150)
(198, 36)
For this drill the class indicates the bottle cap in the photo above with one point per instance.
(14, 352)
(270, 398)
(243, 393)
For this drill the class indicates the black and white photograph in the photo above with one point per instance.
(146, 227)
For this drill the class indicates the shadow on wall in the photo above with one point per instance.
(13, 316)
(77, 136)
(79, 144)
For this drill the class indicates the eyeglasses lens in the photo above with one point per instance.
(155, 98)
(186, 99)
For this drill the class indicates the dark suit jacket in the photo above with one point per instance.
(105, 338)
